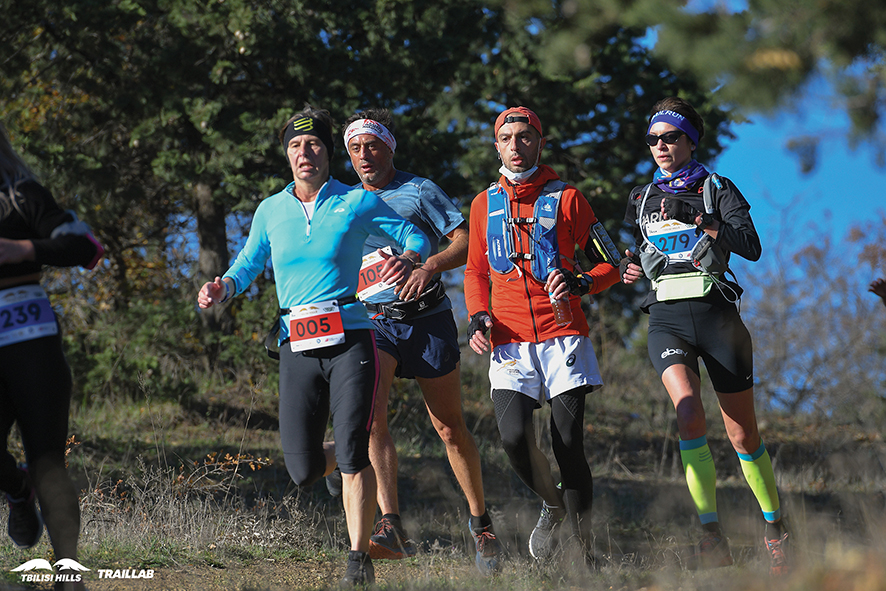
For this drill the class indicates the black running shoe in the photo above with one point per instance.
(360, 571)
(25, 521)
(333, 483)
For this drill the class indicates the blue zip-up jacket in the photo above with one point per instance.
(319, 259)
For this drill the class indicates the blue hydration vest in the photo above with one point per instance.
(545, 255)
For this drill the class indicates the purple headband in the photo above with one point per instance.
(678, 121)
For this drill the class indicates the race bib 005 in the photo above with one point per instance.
(313, 326)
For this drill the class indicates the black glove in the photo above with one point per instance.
(677, 209)
(576, 284)
(478, 322)
(623, 264)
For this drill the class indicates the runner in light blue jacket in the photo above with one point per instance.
(313, 231)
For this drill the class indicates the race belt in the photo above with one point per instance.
(429, 298)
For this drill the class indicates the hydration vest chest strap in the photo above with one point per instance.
(545, 253)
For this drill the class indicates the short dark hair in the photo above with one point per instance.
(382, 116)
(678, 105)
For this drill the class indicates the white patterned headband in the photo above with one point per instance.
(362, 126)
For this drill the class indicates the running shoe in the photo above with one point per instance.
(25, 522)
(488, 550)
(712, 552)
(389, 541)
(541, 541)
(777, 549)
(333, 483)
(360, 571)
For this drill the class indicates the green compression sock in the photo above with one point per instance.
(757, 468)
(701, 476)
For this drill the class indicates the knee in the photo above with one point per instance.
(453, 435)
(691, 420)
(514, 441)
(743, 440)
(304, 473)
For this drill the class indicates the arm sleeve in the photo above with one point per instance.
(76, 247)
(579, 211)
(477, 268)
(253, 257)
(737, 232)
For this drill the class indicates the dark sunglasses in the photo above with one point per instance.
(670, 137)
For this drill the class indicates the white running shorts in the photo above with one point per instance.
(546, 369)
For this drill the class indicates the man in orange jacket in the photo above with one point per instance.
(523, 235)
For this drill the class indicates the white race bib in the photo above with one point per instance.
(370, 282)
(673, 238)
(25, 314)
(313, 326)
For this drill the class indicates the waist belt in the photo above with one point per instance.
(429, 298)
(271, 339)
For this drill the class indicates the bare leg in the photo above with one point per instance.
(359, 500)
(382, 452)
(684, 388)
(740, 419)
(443, 401)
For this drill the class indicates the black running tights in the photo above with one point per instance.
(513, 411)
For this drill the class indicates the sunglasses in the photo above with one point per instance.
(670, 137)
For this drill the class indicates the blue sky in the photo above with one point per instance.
(845, 188)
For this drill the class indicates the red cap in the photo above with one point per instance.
(518, 112)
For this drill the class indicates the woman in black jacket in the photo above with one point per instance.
(35, 380)
(687, 223)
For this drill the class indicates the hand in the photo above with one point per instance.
(556, 285)
(396, 270)
(577, 285)
(415, 285)
(212, 293)
(630, 269)
(480, 323)
(676, 209)
(15, 251)
(879, 288)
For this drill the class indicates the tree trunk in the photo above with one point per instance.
(212, 262)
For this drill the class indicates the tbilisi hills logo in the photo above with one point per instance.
(69, 571)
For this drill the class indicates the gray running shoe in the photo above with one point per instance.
(389, 541)
(488, 550)
(541, 541)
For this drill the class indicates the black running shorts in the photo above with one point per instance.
(681, 331)
(338, 381)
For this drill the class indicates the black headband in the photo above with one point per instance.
(309, 126)
(515, 119)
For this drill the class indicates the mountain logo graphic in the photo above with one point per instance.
(65, 564)
(40, 563)
(69, 564)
